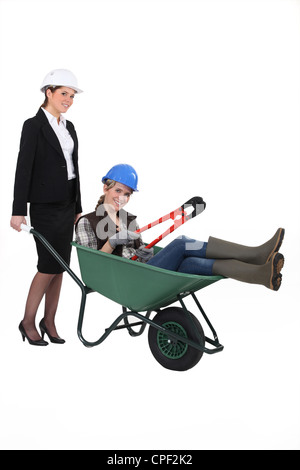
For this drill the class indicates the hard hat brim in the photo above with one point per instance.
(45, 87)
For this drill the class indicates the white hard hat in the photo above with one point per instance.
(60, 77)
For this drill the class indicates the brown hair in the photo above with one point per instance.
(52, 89)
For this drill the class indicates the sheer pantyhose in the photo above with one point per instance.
(48, 285)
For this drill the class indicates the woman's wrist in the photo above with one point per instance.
(107, 248)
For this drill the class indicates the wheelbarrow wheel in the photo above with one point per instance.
(170, 353)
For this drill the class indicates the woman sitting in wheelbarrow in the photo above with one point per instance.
(112, 230)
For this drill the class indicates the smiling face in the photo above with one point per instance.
(60, 100)
(117, 196)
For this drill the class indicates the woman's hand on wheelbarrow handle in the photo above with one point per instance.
(16, 222)
(26, 228)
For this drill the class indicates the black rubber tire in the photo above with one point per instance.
(176, 355)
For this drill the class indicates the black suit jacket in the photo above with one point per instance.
(41, 173)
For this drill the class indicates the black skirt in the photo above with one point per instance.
(55, 221)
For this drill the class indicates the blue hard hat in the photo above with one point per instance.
(124, 174)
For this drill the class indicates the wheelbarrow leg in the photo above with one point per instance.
(215, 342)
(128, 325)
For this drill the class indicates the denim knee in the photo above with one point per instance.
(172, 256)
(193, 247)
(200, 266)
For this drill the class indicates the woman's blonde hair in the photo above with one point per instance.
(110, 184)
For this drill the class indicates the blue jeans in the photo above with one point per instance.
(184, 255)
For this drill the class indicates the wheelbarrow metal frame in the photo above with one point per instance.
(143, 319)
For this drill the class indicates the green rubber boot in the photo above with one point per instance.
(267, 274)
(221, 249)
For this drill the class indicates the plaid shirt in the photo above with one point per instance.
(85, 236)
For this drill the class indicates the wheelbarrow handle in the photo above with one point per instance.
(56, 256)
(198, 206)
(26, 228)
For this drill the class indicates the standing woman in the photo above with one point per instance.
(47, 176)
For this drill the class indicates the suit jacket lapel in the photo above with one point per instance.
(49, 132)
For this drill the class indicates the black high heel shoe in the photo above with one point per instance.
(39, 342)
(44, 330)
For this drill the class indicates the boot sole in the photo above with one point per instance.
(278, 262)
(276, 282)
(277, 265)
(278, 243)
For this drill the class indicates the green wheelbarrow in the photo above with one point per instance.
(176, 337)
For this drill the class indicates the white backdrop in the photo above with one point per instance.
(202, 98)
